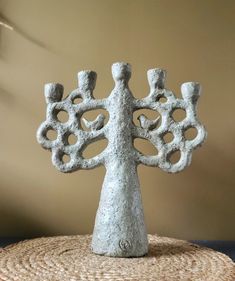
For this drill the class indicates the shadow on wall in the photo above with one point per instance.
(24, 226)
(15, 28)
(31, 205)
(16, 218)
(6, 97)
(17, 222)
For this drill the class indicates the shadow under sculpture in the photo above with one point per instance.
(119, 229)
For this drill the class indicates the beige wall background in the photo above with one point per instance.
(54, 39)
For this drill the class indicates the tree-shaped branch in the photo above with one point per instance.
(190, 93)
(60, 146)
(119, 227)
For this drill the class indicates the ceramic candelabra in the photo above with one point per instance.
(119, 227)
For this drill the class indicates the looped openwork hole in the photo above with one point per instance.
(190, 133)
(70, 139)
(168, 137)
(51, 134)
(178, 114)
(65, 158)
(62, 116)
(161, 99)
(76, 100)
(145, 147)
(94, 148)
(174, 156)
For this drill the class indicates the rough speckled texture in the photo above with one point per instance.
(119, 228)
(68, 258)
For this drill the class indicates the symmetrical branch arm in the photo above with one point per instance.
(61, 146)
(190, 93)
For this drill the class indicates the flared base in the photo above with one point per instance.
(119, 229)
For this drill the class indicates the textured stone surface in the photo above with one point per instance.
(119, 228)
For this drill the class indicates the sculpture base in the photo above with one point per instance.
(70, 258)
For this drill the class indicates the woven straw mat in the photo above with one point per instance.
(68, 258)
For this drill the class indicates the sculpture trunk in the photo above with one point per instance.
(119, 228)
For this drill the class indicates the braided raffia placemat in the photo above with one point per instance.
(68, 258)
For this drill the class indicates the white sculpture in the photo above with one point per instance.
(119, 227)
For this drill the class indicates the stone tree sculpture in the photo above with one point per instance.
(119, 227)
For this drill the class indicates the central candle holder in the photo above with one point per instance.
(119, 226)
